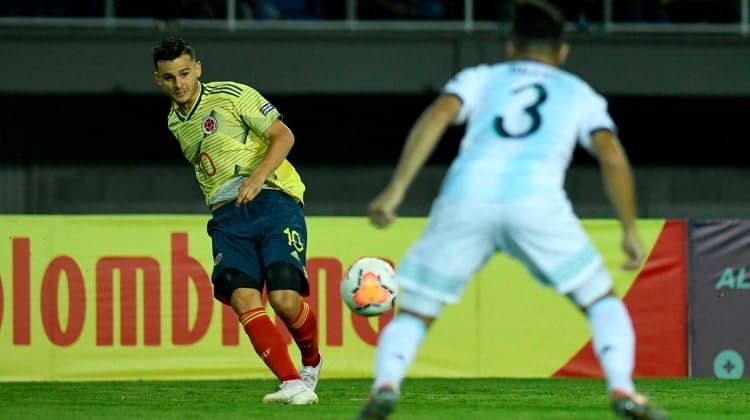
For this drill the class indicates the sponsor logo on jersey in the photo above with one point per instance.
(266, 108)
(210, 125)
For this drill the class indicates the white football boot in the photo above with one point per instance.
(293, 392)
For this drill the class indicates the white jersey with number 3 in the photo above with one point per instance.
(504, 191)
(523, 121)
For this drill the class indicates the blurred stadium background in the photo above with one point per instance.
(84, 126)
(84, 132)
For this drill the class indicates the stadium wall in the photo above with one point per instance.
(342, 190)
(382, 61)
(112, 153)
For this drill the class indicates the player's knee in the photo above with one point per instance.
(285, 276)
(244, 299)
(426, 308)
(427, 320)
(285, 283)
(228, 280)
(285, 303)
(591, 292)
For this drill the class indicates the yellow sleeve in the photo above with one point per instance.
(256, 111)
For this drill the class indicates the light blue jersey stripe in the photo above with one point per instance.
(523, 122)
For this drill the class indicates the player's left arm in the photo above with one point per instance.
(420, 143)
(280, 141)
(599, 136)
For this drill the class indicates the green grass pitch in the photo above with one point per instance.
(433, 399)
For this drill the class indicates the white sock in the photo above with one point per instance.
(397, 348)
(614, 342)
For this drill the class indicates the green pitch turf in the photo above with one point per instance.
(433, 399)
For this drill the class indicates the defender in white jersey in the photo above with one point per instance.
(504, 193)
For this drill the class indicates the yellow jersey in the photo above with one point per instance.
(222, 136)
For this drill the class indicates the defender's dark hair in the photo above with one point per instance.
(536, 24)
(170, 49)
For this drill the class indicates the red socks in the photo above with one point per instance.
(304, 330)
(269, 344)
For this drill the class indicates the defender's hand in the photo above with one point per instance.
(633, 248)
(382, 210)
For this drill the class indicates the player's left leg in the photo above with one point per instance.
(552, 243)
(285, 285)
(285, 254)
(612, 332)
(613, 340)
(397, 348)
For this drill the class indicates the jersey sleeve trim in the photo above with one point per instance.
(586, 142)
(603, 128)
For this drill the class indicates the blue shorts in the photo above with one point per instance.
(269, 229)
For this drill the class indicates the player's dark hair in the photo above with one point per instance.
(170, 49)
(536, 25)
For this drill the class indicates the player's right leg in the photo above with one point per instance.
(379, 405)
(397, 347)
(434, 272)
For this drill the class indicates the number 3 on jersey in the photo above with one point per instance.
(532, 111)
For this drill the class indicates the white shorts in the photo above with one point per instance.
(544, 234)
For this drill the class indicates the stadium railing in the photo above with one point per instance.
(607, 23)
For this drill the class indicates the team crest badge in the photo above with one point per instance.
(210, 125)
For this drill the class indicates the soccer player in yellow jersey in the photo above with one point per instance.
(238, 145)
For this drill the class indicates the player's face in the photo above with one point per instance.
(178, 78)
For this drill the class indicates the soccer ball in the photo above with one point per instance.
(369, 286)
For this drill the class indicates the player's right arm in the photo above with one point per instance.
(617, 176)
(421, 141)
